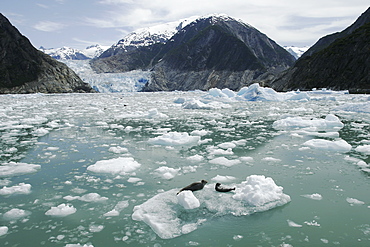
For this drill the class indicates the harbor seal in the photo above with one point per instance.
(194, 186)
(219, 188)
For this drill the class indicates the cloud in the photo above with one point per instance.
(48, 26)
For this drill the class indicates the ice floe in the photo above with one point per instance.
(61, 210)
(12, 169)
(314, 196)
(166, 172)
(331, 122)
(354, 201)
(90, 197)
(15, 214)
(165, 214)
(117, 166)
(21, 188)
(117, 209)
(365, 149)
(175, 139)
(3, 230)
(224, 161)
(337, 146)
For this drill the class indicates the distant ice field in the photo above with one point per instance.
(105, 169)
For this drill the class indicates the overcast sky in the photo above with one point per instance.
(80, 23)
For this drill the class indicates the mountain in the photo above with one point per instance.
(24, 69)
(297, 52)
(75, 54)
(339, 61)
(212, 51)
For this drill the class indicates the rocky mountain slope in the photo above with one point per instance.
(24, 69)
(340, 61)
(213, 51)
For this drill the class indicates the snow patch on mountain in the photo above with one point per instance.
(297, 52)
(75, 54)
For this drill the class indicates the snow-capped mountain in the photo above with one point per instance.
(147, 36)
(296, 51)
(68, 53)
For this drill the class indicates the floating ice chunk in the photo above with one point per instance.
(223, 179)
(79, 245)
(195, 158)
(258, 190)
(188, 200)
(337, 146)
(40, 132)
(166, 172)
(227, 145)
(224, 161)
(314, 196)
(117, 166)
(21, 188)
(365, 149)
(117, 209)
(96, 228)
(15, 214)
(175, 139)
(271, 159)
(154, 113)
(61, 210)
(331, 122)
(199, 132)
(133, 180)
(12, 169)
(197, 104)
(179, 100)
(90, 197)
(118, 150)
(354, 201)
(3, 230)
(293, 224)
(355, 107)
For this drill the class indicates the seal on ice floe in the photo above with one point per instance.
(194, 186)
(219, 188)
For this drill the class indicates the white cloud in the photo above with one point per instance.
(48, 26)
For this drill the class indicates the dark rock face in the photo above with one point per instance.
(340, 61)
(217, 51)
(24, 69)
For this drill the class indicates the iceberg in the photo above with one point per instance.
(175, 139)
(61, 210)
(12, 169)
(331, 122)
(117, 166)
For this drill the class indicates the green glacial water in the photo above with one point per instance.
(312, 156)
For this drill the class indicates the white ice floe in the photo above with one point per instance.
(314, 196)
(224, 161)
(365, 149)
(61, 210)
(326, 145)
(150, 114)
(259, 190)
(256, 93)
(175, 139)
(198, 104)
(15, 214)
(355, 107)
(354, 201)
(79, 245)
(21, 188)
(117, 209)
(195, 158)
(118, 150)
(223, 179)
(117, 166)
(12, 169)
(271, 159)
(96, 228)
(90, 197)
(293, 224)
(187, 199)
(161, 212)
(331, 122)
(166, 172)
(3, 230)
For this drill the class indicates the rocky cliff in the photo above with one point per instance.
(214, 51)
(24, 69)
(340, 61)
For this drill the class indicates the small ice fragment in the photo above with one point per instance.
(354, 201)
(314, 196)
(3, 230)
(15, 214)
(96, 228)
(293, 224)
(224, 161)
(61, 210)
(187, 199)
(21, 188)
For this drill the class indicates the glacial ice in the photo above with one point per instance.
(3, 230)
(187, 199)
(116, 166)
(15, 214)
(174, 139)
(337, 145)
(61, 210)
(21, 188)
(163, 214)
(331, 122)
(12, 169)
